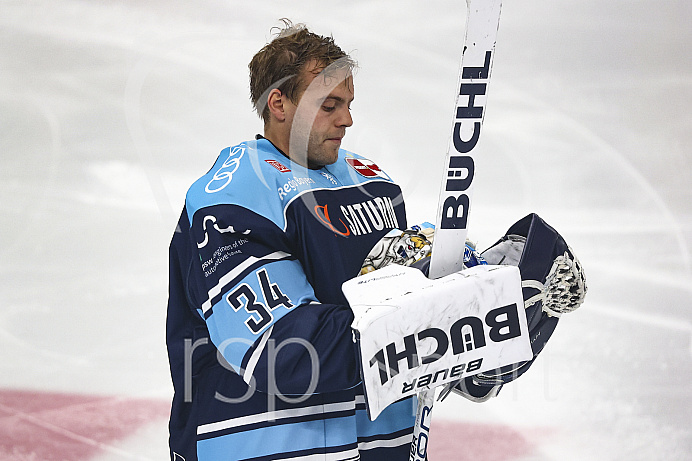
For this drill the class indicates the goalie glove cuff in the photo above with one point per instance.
(473, 391)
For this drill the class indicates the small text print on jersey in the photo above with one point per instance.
(294, 184)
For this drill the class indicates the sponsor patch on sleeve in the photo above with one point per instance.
(278, 165)
(366, 168)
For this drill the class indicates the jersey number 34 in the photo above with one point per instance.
(260, 312)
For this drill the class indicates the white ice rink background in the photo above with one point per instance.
(110, 109)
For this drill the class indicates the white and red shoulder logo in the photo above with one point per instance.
(278, 165)
(366, 168)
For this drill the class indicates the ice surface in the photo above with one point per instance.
(110, 109)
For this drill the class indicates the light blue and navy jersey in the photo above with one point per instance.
(258, 331)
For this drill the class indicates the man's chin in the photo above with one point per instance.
(324, 158)
(333, 157)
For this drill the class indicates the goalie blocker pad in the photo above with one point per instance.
(414, 333)
(553, 283)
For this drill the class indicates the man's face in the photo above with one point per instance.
(320, 119)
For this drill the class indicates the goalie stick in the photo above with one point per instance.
(482, 22)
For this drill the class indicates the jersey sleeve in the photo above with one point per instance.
(259, 308)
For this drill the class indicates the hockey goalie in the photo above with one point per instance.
(271, 355)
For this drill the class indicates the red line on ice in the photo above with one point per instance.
(451, 440)
(55, 426)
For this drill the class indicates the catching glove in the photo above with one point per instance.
(553, 283)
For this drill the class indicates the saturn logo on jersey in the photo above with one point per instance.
(361, 218)
(322, 213)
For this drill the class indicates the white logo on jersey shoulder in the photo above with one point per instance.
(225, 173)
(208, 219)
(331, 178)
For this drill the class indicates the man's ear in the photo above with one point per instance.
(275, 103)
